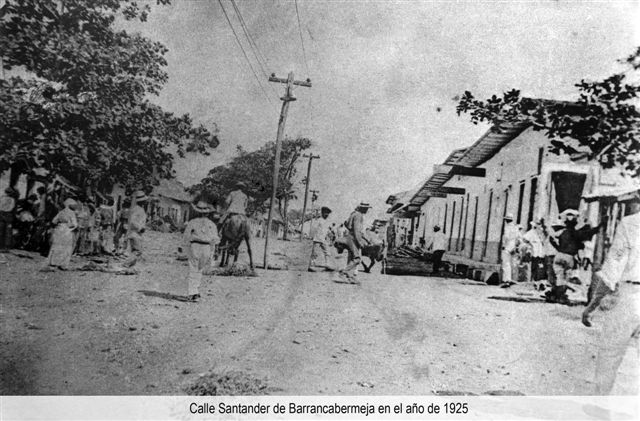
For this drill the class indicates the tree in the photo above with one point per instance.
(83, 110)
(604, 119)
(255, 169)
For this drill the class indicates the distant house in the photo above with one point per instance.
(171, 199)
(258, 223)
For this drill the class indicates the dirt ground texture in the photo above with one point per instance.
(95, 333)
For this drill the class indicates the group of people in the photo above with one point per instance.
(58, 228)
(350, 235)
(552, 252)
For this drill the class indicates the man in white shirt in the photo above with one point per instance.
(508, 256)
(437, 243)
(617, 298)
(320, 231)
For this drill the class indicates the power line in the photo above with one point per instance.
(304, 53)
(262, 61)
(245, 53)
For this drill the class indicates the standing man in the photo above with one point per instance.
(535, 239)
(7, 207)
(136, 227)
(568, 244)
(106, 225)
(122, 218)
(621, 308)
(320, 235)
(437, 243)
(200, 238)
(354, 240)
(508, 257)
(236, 202)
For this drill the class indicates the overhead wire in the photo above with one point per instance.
(304, 53)
(260, 58)
(245, 53)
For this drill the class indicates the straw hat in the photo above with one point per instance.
(508, 216)
(202, 207)
(140, 196)
(569, 213)
(364, 205)
(70, 203)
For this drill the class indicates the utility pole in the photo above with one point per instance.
(286, 99)
(306, 190)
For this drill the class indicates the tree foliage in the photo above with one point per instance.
(255, 169)
(83, 111)
(604, 120)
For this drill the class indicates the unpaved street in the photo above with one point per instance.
(97, 333)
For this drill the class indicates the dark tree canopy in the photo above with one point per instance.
(255, 169)
(604, 120)
(83, 111)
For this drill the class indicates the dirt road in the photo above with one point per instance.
(97, 333)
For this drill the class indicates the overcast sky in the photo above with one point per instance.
(381, 109)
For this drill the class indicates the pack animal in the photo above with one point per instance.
(234, 230)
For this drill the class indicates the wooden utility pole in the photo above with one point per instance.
(286, 99)
(306, 190)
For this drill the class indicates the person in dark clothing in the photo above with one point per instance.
(7, 208)
(568, 243)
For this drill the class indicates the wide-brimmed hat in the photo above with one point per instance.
(325, 209)
(202, 207)
(364, 205)
(508, 216)
(240, 184)
(569, 213)
(70, 202)
(140, 196)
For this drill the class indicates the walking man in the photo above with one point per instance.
(568, 244)
(354, 240)
(508, 257)
(437, 243)
(136, 227)
(200, 238)
(320, 235)
(616, 293)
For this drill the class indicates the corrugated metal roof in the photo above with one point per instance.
(482, 150)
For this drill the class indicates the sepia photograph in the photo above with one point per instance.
(319, 198)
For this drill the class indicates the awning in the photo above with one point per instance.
(619, 193)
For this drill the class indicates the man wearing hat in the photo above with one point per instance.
(7, 206)
(136, 227)
(200, 238)
(354, 240)
(320, 233)
(437, 244)
(616, 293)
(508, 256)
(236, 202)
(568, 243)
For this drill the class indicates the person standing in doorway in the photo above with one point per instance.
(616, 293)
(438, 245)
(508, 255)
